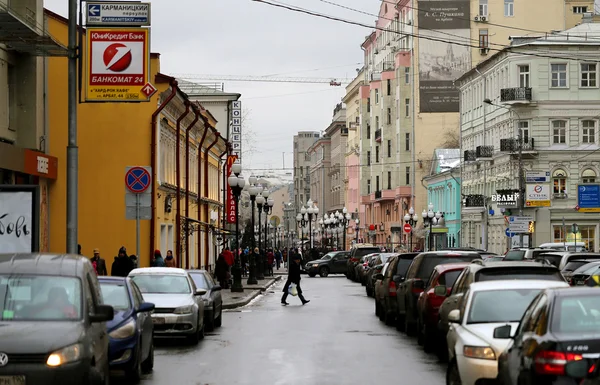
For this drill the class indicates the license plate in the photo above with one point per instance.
(12, 380)
(580, 283)
(154, 320)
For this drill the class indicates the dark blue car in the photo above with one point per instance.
(131, 349)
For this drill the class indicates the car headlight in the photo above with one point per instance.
(315, 265)
(125, 331)
(65, 355)
(481, 352)
(184, 309)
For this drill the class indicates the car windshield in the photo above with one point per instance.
(200, 280)
(430, 262)
(40, 298)
(326, 257)
(162, 284)
(588, 270)
(578, 315)
(515, 255)
(505, 305)
(515, 272)
(574, 265)
(115, 295)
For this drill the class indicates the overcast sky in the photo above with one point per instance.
(242, 37)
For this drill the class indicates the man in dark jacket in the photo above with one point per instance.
(99, 263)
(293, 277)
(122, 264)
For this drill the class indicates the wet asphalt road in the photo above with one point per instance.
(335, 339)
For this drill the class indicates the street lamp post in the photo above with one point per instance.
(237, 183)
(302, 220)
(260, 203)
(411, 218)
(311, 211)
(357, 228)
(344, 219)
(521, 172)
(253, 190)
(430, 218)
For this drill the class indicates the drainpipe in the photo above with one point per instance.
(178, 182)
(223, 218)
(187, 180)
(206, 245)
(153, 146)
(199, 205)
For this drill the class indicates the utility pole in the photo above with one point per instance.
(72, 150)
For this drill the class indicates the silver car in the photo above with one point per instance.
(179, 307)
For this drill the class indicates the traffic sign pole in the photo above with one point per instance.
(72, 150)
(137, 226)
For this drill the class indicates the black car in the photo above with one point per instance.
(561, 325)
(331, 263)
(213, 302)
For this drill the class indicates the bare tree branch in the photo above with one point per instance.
(450, 139)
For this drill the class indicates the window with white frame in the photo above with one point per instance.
(558, 75)
(588, 131)
(524, 127)
(407, 107)
(524, 75)
(509, 8)
(483, 7)
(559, 181)
(579, 9)
(588, 75)
(376, 96)
(588, 176)
(407, 75)
(559, 132)
(483, 38)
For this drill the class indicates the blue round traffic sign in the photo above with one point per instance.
(508, 233)
(137, 180)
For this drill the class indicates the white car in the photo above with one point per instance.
(179, 306)
(472, 349)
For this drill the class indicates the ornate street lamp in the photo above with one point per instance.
(312, 211)
(260, 203)
(430, 218)
(357, 228)
(344, 221)
(411, 218)
(253, 191)
(302, 220)
(267, 209)
(237, 183)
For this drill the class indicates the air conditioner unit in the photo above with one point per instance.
(477, 18)
(484, 51)
(483, 18)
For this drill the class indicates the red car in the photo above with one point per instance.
(429, 302)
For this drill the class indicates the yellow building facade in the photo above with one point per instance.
(113, 136)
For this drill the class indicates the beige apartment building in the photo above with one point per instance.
(338, 132)
(303, 140)
(320, 181)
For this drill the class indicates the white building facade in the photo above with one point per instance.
(548, 89)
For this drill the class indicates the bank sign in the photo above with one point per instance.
(588, 198)
(506, 200)
(537, 195)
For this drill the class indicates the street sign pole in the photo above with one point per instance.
(137, 226)
(72, 150)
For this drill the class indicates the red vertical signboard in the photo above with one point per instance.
(230, 206)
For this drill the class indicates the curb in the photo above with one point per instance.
(255, 293)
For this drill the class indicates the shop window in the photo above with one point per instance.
(585, 235)
(588, 176)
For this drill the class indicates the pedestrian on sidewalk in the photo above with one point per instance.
(270, 260)
(170, 260)
(222, 271)
(122, 264)
(278, 258)
(158, 259)
(293, 277)
(99, 263)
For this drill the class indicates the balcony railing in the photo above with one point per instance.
(484, 152)
(517, 94)
(512, 145)
(475, 200)
(378, 135)
(470, 156)
(378, 194)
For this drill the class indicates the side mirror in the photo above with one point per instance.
(419, 284)
(454, 316)
(502, 332)
(200, 292)
(398, 278)
(103, 313)
(145, 307)
(578, 369)
(379, 276)
(216, 288)
(440, 291)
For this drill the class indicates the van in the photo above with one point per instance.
(565, 246)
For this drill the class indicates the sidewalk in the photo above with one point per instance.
(235, 300)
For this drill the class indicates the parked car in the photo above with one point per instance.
(131, 348)
(574, 264)
(491, 271)
(385, 287)
(522, 254)
(415, 282)
(429, 302)
(53, 320)
(582, 274)
(179, 304)
(586, 371)
(362, 267)
(331, 263)
(376, 268)
(567, 257)
(355, 254)
(472, 348)
(213, 300)
(560, 326)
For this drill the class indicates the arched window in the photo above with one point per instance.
(588, 176)
(559, 181)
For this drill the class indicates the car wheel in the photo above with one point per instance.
(400, 323)
(195, 338)
(452, 374)
(312, 275)
(409, 328)
(324, 272)
(210, 323)
(388, 319)
(428, 339)
(420, 333)
(369, 291)
(219, 319)
(376, 308)
(134, 375)
(201, 332)
(148, 363)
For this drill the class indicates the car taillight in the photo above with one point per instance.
(553, 363)
(392, 289)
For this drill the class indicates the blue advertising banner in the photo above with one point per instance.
(588, 198)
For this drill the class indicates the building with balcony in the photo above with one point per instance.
(303, 140)
(25, 155)
(338, 133)
(544, 111)
(443, 191)
(320, 181)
